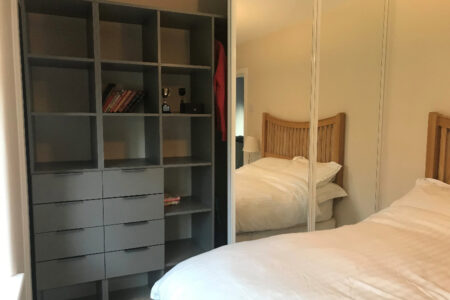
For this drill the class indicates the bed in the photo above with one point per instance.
(400, 252)
(272, 193)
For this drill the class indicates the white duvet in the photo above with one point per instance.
(272, 193)
(403, 252)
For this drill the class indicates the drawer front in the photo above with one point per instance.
(57, 273)
(135, 261)
(49, 188)
(134, 235)
(130, 182)
(62, 244)
(133, 209)
(70, 215)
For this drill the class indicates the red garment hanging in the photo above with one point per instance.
(220, 88)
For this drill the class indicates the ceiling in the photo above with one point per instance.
(256, 18)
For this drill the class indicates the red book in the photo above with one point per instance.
(113, 102)
(125, 102)
(125, 95)
(108, 99)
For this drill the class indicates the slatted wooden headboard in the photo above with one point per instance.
(438, 147)
(287, 139)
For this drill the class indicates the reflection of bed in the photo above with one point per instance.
(284, 140)
(399, 253)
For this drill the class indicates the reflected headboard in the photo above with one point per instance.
(287, 139)
(438, 147)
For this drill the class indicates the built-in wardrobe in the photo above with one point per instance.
(97, 179)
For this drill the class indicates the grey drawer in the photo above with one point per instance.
(61, 244)
(66, 187)
(57, 273)
(130, 182)
(135, 261)
(133, 209)
(134, 235)
(69, 215)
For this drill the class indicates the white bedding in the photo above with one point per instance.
(402, 252)
(272, 193)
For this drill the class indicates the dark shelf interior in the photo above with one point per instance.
(131, 141)
(128, 33)
(137, 293)
(179, 250)
(64, 143)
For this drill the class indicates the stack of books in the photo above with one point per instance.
(171, 200)
(120, 100)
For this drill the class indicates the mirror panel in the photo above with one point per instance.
(273, 62)
(350, 75)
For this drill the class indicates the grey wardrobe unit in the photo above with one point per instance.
(97, 180)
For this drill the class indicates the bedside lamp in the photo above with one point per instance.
(251, 146)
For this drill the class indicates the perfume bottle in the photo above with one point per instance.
(165, 105)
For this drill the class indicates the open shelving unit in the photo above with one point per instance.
(72, 50)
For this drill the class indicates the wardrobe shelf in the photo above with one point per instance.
(60, 61)
(63, 114)
(188, 205)
(137, 293)
(64, 166)
(179, 250)
(182, 69)
(130, 114)
(127, 65)
(182, 115)
(130, 163)
(187, 161)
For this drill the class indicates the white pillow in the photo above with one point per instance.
(326, 172)
(330, 191)
(428, 194)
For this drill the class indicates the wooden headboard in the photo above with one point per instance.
(438, 147)
(287, 139)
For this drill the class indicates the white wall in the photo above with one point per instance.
(11, 251)
(351, 50)
(418, 82)
(279, 75)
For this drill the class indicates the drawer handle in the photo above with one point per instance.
(135, 197)
(136, 249)
(136, 170)
(68, 173)
(71, 258)
(135, 223)
(69, 203)
(69, 230)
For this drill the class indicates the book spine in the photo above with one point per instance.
(114, 101)
(125, 94)
(135, 101)
(108, 99)
(126, 101)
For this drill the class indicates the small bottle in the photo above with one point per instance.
(165, 107)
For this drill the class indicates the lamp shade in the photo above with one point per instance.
(251, 144)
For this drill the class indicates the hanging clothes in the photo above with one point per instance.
(220, 88)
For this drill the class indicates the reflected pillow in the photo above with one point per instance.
(298, 167)
(330, 191)
(326, 172)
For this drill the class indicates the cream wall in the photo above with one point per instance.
(11, 258)
(418, 81)
(351, 51)
(279, 75)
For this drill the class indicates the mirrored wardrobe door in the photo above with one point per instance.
(351, 41)
(273, 85)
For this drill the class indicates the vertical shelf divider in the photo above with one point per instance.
(98, 84)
